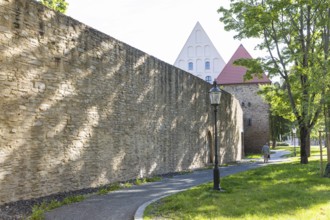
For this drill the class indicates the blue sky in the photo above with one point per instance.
(158, 27)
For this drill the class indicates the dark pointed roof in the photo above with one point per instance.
(232, 74)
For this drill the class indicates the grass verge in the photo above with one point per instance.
(282, 191)
(255, 156)
(38, 211)
(315, 152)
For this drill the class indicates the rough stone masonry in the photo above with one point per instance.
(80, 109)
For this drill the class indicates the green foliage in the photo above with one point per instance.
(279, 102)
(283, 191)
(57, 5)
(252, 156)
(296, 35)
(103, 191)
(153, 179)
(53, 205)
(281, 115)
(282, 144)
(140, 181)
(253, 66)
(38, 211)
(73, 199)
(110, 188)
(315, 152)
(127, 185)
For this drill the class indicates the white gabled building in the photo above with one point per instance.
(199, 56)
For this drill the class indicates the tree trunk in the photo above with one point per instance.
(327, 129)
(274, 143)
(327, 168)
(308, 144)
(303, 145)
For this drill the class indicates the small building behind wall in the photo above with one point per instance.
(255, 109)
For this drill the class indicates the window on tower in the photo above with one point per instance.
(249, 122)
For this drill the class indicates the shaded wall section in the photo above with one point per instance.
(80, 109)
(256, 115)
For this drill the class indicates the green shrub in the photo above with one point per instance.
(281, 144)
(102, 191)
(38, 213)
(110, 188)
(140, 181)
(127, 185)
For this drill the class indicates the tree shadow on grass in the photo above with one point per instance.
(260, 193)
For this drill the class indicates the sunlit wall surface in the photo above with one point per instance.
(80, 109)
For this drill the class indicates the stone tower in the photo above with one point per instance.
(255, 109)
(199, 56)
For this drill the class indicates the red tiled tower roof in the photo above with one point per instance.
(232, 74)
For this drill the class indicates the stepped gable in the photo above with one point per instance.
(232, 74)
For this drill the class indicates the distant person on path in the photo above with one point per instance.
(266, 151)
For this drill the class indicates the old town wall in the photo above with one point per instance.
(80, 109)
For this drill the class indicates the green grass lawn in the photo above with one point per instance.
(315, 152)
(255, 156)
(281, 191)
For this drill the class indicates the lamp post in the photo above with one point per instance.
(215, 95)
(294, 130)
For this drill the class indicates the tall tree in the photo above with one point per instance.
(57, 5)
(279, 127)
(326, 92)
(281, 117)
(294, 34)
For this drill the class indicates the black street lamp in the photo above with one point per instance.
(215, 95)
(294, 130)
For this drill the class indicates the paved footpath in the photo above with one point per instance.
(128, 204)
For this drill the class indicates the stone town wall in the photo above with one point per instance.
(256, 115)
(80, 109)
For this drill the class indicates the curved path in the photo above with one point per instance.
(128, 204)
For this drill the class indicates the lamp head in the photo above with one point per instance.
(215, 94)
